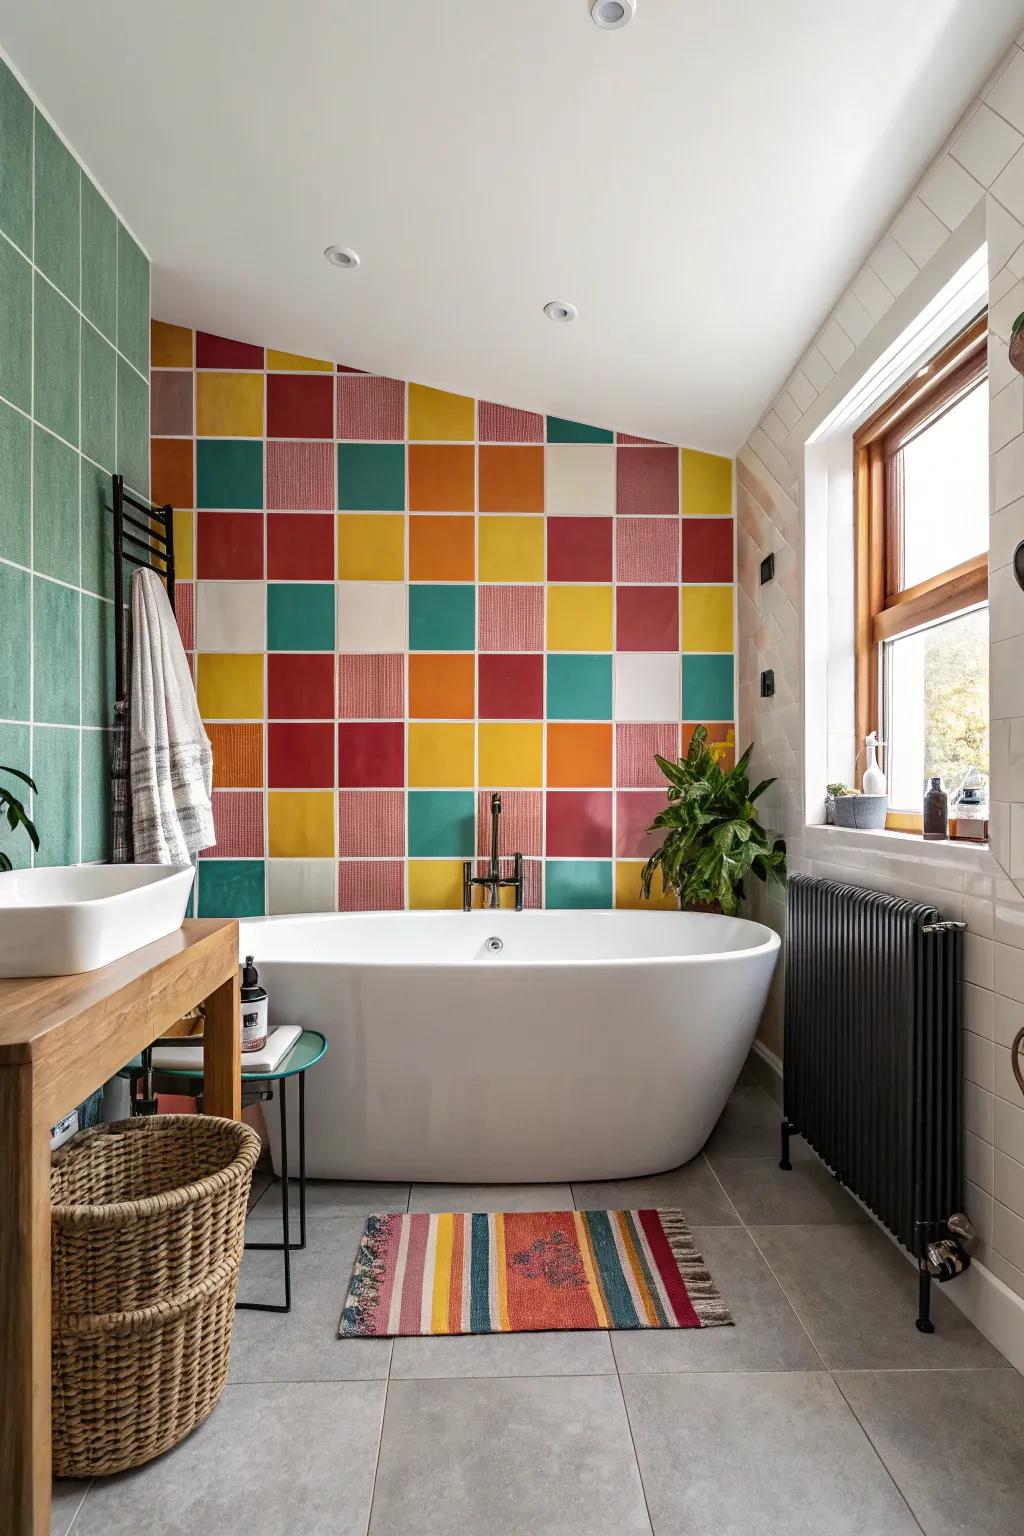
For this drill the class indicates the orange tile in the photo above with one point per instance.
(440, 686)
(511, 479)
(170, 345)
(237, 756)
(441, 549)
(441, 477)
(721, 740)
(171, 471)
(579, 756)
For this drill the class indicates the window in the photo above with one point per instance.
(921, 477)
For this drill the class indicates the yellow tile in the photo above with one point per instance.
(707, 619)
(440, 756)
(435, 883)
(294, 362)
(627, 888)
(184, 564)
(705, 484)
(229, 405)
(436, 416)
(301, 824)
(230, 686)
(512, 755)
(579, 618)
(511, 549)
(371, 547)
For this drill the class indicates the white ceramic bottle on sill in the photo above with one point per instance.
(874, 778)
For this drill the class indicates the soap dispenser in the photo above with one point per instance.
(874, 778)
(254, 1008)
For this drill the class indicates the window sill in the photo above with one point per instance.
(963, 856)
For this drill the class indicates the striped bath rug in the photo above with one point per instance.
(527, 1271)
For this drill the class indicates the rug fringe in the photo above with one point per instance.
(701, 1289)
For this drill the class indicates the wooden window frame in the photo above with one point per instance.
(884, 608)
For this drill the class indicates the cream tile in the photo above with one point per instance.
(1006, 664)
(1008, 1273)
(978, 1161)
(1008, 1234)
(1008, 186)
(1008, 971)
(1007, 95)
(1008, 918)
(892, 265)
(979, 1005)
(979, 1205)
(1005, 607)
(1005, 531)
(950, 192)
(371, 615)
(1004, 1082)
(231, 616)
(1006, 414)
(978, 1063)
(978, 916)
(834, 344)
(919, 232)
(1009, 472)
(802, 391)
(869, 289)
(647, 685)
(301, 885)
(986, 145)
(853, 317)
(978, 1111)
(1007, 1019)
(978, 960)
(580, 479)
(1008, 1132)
(1008, 1185)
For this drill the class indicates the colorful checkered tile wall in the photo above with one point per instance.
(74, 407)
(399, 599)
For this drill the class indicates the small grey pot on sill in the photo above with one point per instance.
(865, 812)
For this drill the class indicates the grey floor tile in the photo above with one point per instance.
(490, 1197)
(856, 1294)
(303, 1344)
(779, 1453)
(749, 1127)
(547, 1456)
(587, 1353)
(766, 1336)
(954, 1443)
(329, 1197)
(763, 1193)
(67, 1497)
(269, 1460)
(692, 1189)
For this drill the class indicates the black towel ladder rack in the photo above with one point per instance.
(145, 540)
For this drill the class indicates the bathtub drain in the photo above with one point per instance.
(494, 945)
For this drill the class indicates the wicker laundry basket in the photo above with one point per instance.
(148, 1225)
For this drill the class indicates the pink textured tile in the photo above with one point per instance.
(371, 409)
(647, 549)
(371, 687)
(635, 809)
(238, 823)
(300, 477)
(635, 746)
(647, 442)
(531, 880)
(511, 618)
(647, 481)
(504, 424)
(170, 402)
(184, 612)
(371, 886)
(521, 822)
(371, 823)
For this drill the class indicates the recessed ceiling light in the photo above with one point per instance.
(558, 309)
(612, 14)
(341, 256)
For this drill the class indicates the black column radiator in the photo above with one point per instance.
(872, 1058)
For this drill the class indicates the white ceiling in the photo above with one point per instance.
(701, 185)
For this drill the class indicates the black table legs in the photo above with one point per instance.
(286, 1246)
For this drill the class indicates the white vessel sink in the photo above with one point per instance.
(54, 922)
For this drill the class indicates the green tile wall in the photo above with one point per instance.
(74, 408)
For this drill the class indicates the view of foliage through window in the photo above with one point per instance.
(938, 705)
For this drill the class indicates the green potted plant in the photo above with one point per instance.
(12, 808)
(713, 839)
(1017, 344)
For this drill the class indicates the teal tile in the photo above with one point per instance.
(708, 688)
(55, 503)
(578, 883)
(55, 806)
(99, 260)
(15, 485)
(300, 616)
(132, 428)
(95, 813)
(132, 301)
(442, 824)
(55, 385)
(229, 473)
(562, 431)
(231, 888)
(97, 661)
(16, 161)
(15, 645)
(55, 653)
(16, 752)
(15, 327)
(99, 397)
(97, 531)
(579, 687)
(371, 477)
(58, 180)
(442, 618)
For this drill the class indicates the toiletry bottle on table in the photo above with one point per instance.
(254, 1008)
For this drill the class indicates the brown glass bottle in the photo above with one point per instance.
(935, 811)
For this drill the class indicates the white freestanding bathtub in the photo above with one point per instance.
(513, 1047)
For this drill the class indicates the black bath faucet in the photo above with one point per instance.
(492, 880)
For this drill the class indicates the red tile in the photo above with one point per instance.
(371, 687)
(520, 825)
(371, 409)
(184, 612)
(511, 618)
(707, 549)
(635, 747)
(531, 879)
(371, 885)
(300, 756)
(579, 548)
(300, 405)
(579, 823)
(300, 687)
(229, 546)
(300, 477)
(628, 437)
(511, 687)
(238, 823)
(371, 823)
(504, 424)
(647, 548)
(647, 481)
(300, 546)
(647, 618)
(635, 809)
(222, 352)
(371, 755)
